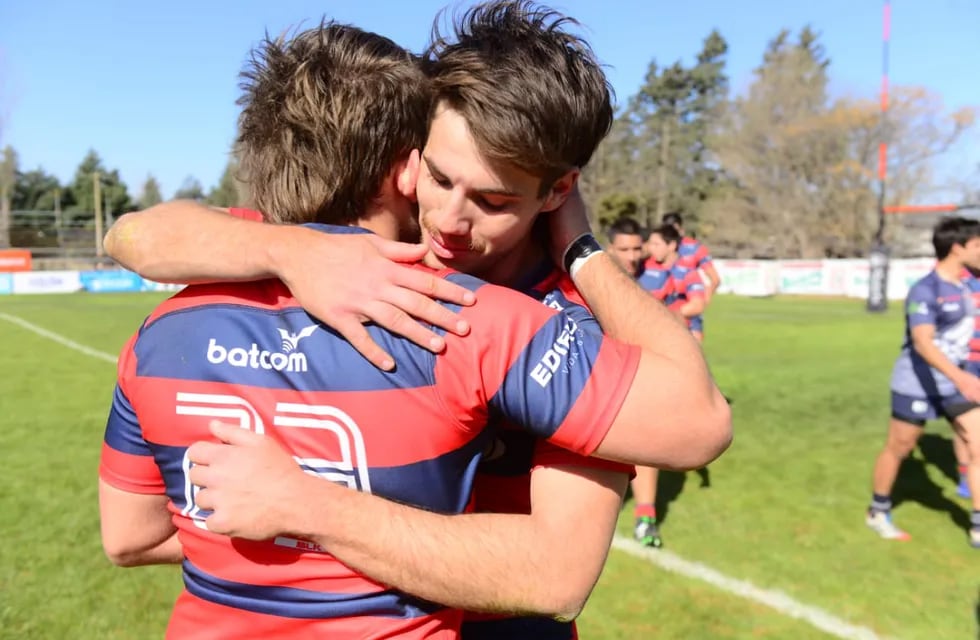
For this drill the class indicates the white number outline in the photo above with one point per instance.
(288, 415)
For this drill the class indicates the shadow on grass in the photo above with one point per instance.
(938, 451)
(915, 485)
(670, 485)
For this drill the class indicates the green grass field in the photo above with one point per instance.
(783, 508)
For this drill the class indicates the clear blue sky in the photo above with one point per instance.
(152, 85)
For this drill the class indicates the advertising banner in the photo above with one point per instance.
(748, 277)
(46, 282)
(113, 281)
(15, 260)
(802, 277)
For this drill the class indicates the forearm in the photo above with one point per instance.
(466, 561)
(936, 359)
(630, 314)
(187, 242)
(714, 280)
(692, 307)
(169, 551)
(137, 529)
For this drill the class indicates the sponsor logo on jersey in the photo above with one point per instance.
(555, 356)
(918, 308)
(289, 359)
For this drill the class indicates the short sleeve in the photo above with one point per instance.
(693, 285)
(538, 368)
(127, 461)
(547, 454)
(701, 256)
(921, 307)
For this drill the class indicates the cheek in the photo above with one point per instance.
(504, 231)
(425, 195)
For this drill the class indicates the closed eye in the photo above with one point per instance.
(493, 206)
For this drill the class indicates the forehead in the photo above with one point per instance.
(452, 150)
(627, 240)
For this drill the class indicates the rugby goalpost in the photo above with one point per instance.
(878, 256)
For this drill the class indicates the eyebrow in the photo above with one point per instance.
(492, 191)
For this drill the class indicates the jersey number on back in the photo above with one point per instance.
(350, 469)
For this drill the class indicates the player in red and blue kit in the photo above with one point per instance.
(626, 240)
(693, 255)
(971, 278)
(557, 361)
(668, 279)
(503, 479)
(247, 353)
(681, 289)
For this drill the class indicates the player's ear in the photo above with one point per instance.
(407, 175)
(559, 191)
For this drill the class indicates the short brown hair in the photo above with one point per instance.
(668, 232)
(325, 115)
(532, 93)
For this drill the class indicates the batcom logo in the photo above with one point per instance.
(290, 360)
(291, 340)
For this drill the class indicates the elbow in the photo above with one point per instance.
(563, 600)
(109, 241)
(718, 433)
(120, 554)
(114, 243)
(123, 552)
(569, 611)
(564, 593)
(712, 429)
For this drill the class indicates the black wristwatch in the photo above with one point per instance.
(582, 247)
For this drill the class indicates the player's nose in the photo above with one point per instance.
(452, 220)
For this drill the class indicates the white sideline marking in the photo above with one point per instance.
(666, 560)
(777, 600)
(50, 335)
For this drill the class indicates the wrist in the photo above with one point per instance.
(274, 250)
(311, 519)
(579, 251)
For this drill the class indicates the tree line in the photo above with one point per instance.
(38, 190)
(778, 168)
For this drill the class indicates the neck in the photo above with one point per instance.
(508, 271)
(380, 221)
(669, 261)
(949, 269)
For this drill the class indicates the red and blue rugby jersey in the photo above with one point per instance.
(674, 284)
(692, 254)
(656, 279)
(972, 283)
(247, 353)
(503, 479)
